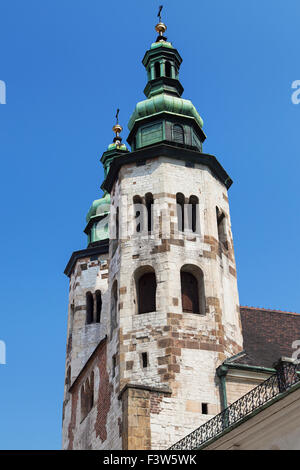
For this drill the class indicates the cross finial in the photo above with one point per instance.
(160, 27)
(117, 116)
(159, 12)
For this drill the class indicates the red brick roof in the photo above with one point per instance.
(268, 335)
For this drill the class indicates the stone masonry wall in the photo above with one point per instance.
(184, 349)
(100, 429)
(239, 382)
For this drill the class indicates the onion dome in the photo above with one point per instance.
(164, 116)
(97, 228)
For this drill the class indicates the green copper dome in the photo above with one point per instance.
(99, 207)
(98, 215)
(164, 116)
(164, 103)
(97, 219)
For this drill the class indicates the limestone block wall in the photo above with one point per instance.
(184, 349)
(88, 350)
(88, 276)
(180, 390)
(239, 382)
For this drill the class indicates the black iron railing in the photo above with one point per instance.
(286, 376)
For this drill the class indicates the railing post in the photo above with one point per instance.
(286, 373)
(221, 373)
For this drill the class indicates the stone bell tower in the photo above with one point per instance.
(143, 364)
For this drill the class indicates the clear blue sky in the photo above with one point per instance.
(68, 65)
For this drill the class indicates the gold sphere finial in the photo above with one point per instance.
(160, 27)
(117, 128)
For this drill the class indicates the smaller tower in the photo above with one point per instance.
(98, 215)
(86, 355)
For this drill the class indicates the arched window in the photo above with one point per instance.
(149, 207)
(221, 223)
(114, 306)
(72, 313)
(70, 328)
(180, 211)
(192, 289)
(68, 377)
(83, 403)
(87, 393)
(138, 213)
(168, 69)
(98, 306)
(189, 293)
(89, 308)
(146, 290)
(193, 214)
(91, 394)
(87, 396)
(114, 365)
(117, 224)
(157, 69)
(178, 134)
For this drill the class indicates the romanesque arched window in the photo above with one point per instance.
(91, 394)
(138, 213)
(180, 211)
(157, 69)
(192, 289)
(221, 223)
(114, 365)
(98, 305)
(149, 206)
(146, 289)
(70, 327)
(83, 403)
(87, 396)
(68, 377)
(168, 69)
(189, 293)
(89, 308)
(72, 313)
(114, 306)
(117, 224)
(178, 134)
(193, 214)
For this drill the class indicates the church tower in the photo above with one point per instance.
(154, 306)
